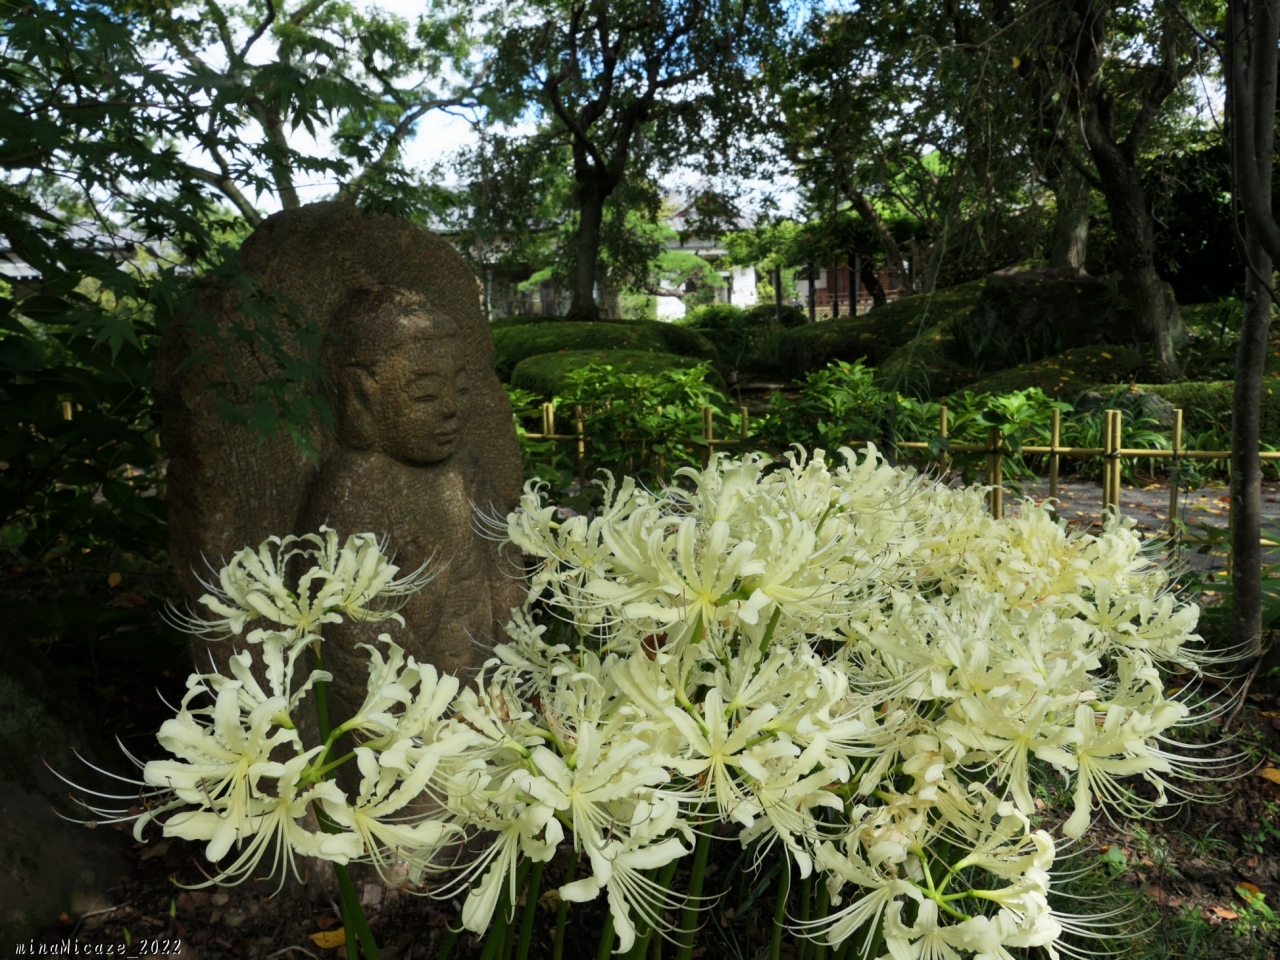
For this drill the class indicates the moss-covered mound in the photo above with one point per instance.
(875, 335)
(1207, 405)
(519, 342)
(545, 374)
(1067, 374)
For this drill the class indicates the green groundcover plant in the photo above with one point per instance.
(851, 667)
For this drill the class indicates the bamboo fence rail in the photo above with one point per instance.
(1112, 451)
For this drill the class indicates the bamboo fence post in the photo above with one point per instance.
(66, 410)
(1055, 438)
(1107, 418)
(746, 415)
(1118, 469)
(995, 471)
(580, 428)
(548, 420)
(707, 435)
(943, 459)
(1175, 480)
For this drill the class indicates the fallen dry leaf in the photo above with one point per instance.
(1270, 773)
(1221, 913)
(1253, 889)
(328, 939)
(114, 578)
(324, 921)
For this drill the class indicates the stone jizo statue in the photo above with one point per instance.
(423, 436)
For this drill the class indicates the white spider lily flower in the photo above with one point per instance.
(218, 765)
(343, 582)
(598, 774)
(619, 869)
(388, 836)
(274, 822)
(879, 894)
(929, 939)
(1117, 744)
(712, 754)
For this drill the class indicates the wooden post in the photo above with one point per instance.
(855, 284)
(707, 435)
(1055, 438)
(746, 415)
(943, 458)
(813, 294)
(995, 470)
(582, 445)
(835, 289)
(66, 410)
(777, 294)
(548, 419)
(1174, 480)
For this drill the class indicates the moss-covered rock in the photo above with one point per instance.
(876, 335)
(518, 342)
(545, 374)
(1027, 314)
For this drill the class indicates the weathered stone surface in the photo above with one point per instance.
(1026, 314)
(423, 439)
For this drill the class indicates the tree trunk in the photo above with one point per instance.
(892, 251)
(591, 191)
(1250, 69)
(1246, 465)
(1135, 247)
(1071, 195)
(872, 283)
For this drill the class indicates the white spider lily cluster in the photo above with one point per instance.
(850, 666)
(853, 666)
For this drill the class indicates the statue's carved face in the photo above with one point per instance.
(418, 400)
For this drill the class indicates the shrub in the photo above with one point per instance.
(744, 339)
(519, 342)
(876, 335)
(837, 405)
(546, 374)
(792, 316)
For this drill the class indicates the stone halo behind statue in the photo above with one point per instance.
(423, 435)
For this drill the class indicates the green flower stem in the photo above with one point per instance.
(663, 878)
(824, 907)
(450, 941)
(780, 911)
(497, 933)
(562, 911)
(768, 632)
(689, 918)
(606, 937)
(530, 910)
(315, 774)
(353, 918)
(806, 893)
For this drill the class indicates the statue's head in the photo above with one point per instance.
(399, 376)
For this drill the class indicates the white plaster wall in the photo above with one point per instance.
(670, 308)
(744, 287)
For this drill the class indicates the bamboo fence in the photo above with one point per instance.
(1112, 451)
